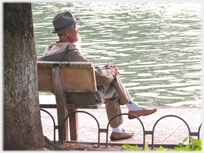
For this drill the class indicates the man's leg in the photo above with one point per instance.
(125, 98)
(115, 95)
(111, 97)
(124, 95)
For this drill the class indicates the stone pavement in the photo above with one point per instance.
(169, 130)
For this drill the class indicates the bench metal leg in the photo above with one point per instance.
(73, 125)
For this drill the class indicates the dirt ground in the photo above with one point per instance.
(86, 147)
(71, 146)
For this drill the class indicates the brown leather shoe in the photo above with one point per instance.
(119, 136)
(143, 112)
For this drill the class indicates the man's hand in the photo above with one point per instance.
(113, 69)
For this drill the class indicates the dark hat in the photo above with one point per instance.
(63, 21)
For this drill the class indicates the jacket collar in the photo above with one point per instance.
(64, 43)
(58, 47)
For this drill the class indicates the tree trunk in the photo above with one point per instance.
(22, 121)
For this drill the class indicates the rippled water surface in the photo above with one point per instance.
(156, 46)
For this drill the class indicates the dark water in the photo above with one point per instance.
(156, 46)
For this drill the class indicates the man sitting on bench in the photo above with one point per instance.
(110, 89)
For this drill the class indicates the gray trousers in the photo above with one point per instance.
(115, 94)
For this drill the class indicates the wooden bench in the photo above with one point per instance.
(61, 77)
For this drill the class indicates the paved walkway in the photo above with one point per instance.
(169, 130)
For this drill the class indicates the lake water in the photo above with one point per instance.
(156, 46)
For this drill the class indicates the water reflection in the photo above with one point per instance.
(157, 46)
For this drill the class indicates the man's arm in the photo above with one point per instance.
(103, 76)
(113, 69)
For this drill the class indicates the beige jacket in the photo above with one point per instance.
(65, 51)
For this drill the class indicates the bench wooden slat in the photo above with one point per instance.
(53, 64)
(73, 79)
(74, 106)
(78, 80)
(45, 82)
(71, 106)
(48, 106)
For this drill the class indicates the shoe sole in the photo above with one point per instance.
(132, 117)
(114, 139)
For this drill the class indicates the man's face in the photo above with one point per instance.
(73, 34)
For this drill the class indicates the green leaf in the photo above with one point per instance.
(136, 148)
(179, 149)
(198, 142)
(146, 146)
(128, 146)
(198, 149)
(46, 149)
(187, 147)
(160, 148)
(176, 149)
(165, 149)
(180, 145)
(190, 137)
(185, 139)
(125, 145)
(193, 146)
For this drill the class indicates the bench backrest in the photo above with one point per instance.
(74, 76)
(61, 77)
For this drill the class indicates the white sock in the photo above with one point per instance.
(118, 130)
(132, 106)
